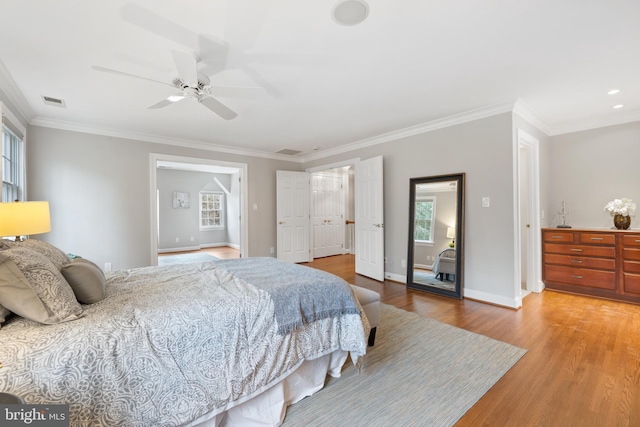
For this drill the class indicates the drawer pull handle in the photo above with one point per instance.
(577, 261)
(637, 240)
(596, 238)
(576, 250)
(559, 237)
(577, 277)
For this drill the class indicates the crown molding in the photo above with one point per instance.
(523, 109)
(456, 119)
(630, 117)
(116, 133)
(14, 94)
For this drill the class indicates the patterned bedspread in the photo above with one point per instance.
(167, 345)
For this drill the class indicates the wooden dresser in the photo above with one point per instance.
(598, 262)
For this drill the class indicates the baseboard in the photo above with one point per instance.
(213, 245)
(395, 277)
(492, 299)
(424, 266)
(183, 249)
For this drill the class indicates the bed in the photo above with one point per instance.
(445, 264)
(229, 342)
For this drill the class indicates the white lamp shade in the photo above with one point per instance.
(451, 232)
(24, 218)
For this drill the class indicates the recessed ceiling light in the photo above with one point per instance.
(350, 12)
(613, 91)
(618, 106)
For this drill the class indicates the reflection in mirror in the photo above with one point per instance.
(436, 234)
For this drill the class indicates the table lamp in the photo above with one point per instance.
(451, 234)
(24, 218)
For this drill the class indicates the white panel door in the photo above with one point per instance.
(369, 210)
(327, 219)
(293, 227)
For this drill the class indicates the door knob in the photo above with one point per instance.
(281, 222)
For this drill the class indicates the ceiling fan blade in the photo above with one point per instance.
(122, 73)
(187, 66)
(169, 100)
(218, 108)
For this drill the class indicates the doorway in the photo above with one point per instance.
(236, 170)
(528, 221)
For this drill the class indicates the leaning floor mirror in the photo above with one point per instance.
(435, 259)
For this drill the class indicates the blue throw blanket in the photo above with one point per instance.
(316, 295)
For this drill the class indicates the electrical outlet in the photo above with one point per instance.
(177, 240)
(403, 263)
(107, 266)
(273, 249)
(192, 239)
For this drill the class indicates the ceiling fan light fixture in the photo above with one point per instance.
(350, 12)
(175, 98)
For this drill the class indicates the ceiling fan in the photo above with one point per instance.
(194, 85)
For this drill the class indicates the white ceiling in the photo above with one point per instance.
(324, 85)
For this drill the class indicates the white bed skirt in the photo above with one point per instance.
(269, 407)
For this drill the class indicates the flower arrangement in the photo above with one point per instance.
(624, 207)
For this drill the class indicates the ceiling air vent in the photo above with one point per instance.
(53, 101)
(289, 152)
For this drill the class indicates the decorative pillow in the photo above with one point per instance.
(4, 313)
(32, 287)
(86, 279)
(53, 254)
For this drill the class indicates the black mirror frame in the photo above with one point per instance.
(413, 182)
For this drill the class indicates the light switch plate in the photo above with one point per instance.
(486, 202)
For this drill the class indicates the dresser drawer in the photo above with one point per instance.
(584, 262)
(581, 277)
(598, 239)
(581, 250)
(631, 253)
(631, 240)
(631, 267)
(631, 283)
(558, 236)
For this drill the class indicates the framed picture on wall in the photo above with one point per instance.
(181, 200)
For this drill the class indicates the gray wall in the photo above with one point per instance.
(483, 149)
(184, 224)
(99, 193)
(590, 168)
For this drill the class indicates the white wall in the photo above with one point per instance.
(184, 224)
(98, 191)
(483, 150)
(590, 168)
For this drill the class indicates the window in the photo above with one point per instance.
(424, 219)
(211, 210)
(12, 166)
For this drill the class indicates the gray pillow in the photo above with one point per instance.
(53, 254)
(4, 313)
(86, 279)
(32, 287)
(5, 244)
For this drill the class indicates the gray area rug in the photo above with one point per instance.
(421, 372)
(185, 258)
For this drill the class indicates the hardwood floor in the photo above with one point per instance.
(582, 367)
(222, 252)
